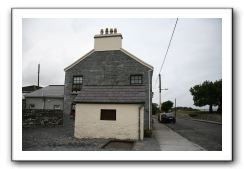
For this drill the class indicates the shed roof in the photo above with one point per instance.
(111, 94)
(28, 89)
(56, 91)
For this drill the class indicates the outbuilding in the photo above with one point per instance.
(49, 97)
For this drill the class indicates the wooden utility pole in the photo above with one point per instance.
(38, 75)
(159, 77)
(175, 108)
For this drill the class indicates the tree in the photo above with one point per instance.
(207, 93)
(166, 106)
(155, 108)
(218, 88)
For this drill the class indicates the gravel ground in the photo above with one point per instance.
(62, 139)
(58, 139)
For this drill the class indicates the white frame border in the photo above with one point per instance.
(18, 155)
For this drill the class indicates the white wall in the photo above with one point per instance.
(49, 103)
(89, 125)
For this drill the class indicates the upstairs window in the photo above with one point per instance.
(136, 79)
(77, 83)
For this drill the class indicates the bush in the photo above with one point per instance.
(147, 133)
(193, 115)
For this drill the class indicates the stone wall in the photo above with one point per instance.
(32, 118)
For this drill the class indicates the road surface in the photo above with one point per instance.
(207, 135)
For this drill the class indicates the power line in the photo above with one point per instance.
(167, 49)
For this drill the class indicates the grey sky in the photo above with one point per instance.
(194, 56)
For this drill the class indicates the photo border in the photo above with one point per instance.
(17, 155)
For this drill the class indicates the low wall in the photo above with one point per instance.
(32, 118)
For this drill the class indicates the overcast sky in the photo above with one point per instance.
(194, 56)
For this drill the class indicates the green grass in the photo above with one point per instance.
(200, 115)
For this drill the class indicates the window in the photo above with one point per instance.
(32, 106)
(108, 114)
(56, 107)
(77, 83)
(136, 79)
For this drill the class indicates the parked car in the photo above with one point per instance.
(166, 117)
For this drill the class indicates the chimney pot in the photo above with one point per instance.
(111, 31)
(106, 31)
(101, 32)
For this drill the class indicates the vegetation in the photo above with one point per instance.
(208, 93)
(186, 109)
(155, 108)
(147, 133)
(166, 106)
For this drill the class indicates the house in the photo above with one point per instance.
(25, 90)
(110, 91)
(49, 97)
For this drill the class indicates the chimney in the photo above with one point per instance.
(108, 39)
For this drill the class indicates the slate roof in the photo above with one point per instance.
(56, 91)
(111, 94)
(123, 51)
(28, 89)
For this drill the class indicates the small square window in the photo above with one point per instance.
(108, 114)
(32, 106)
(56, 107)
(136, 79)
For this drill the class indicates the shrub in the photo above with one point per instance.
(147, 133)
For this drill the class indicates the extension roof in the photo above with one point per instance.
(111, 94)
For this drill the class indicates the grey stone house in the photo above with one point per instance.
(109, 90)
(49, 97)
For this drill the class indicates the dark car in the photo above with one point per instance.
(167, 117)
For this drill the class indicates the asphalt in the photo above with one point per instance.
(169, 140)
(207, 135)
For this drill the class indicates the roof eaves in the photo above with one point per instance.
(136, 58)
(50, 96)
(80, 59)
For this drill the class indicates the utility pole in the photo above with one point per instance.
(38, 74)
(160, 89)
(175, 111)
(159, 77)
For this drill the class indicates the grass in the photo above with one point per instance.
(216, 117)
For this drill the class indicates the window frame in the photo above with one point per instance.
(59, 107)
(79, 84)
(111, 118)
(138, 75)
(32, 106)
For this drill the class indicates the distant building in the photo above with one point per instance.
(50, 97)
(110, 91)
(26, 90)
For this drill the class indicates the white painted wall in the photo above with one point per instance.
(126, 126)
(108, 42)
(49, 103)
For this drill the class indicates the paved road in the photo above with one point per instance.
(207, 135)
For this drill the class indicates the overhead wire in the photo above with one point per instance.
(167, 50)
